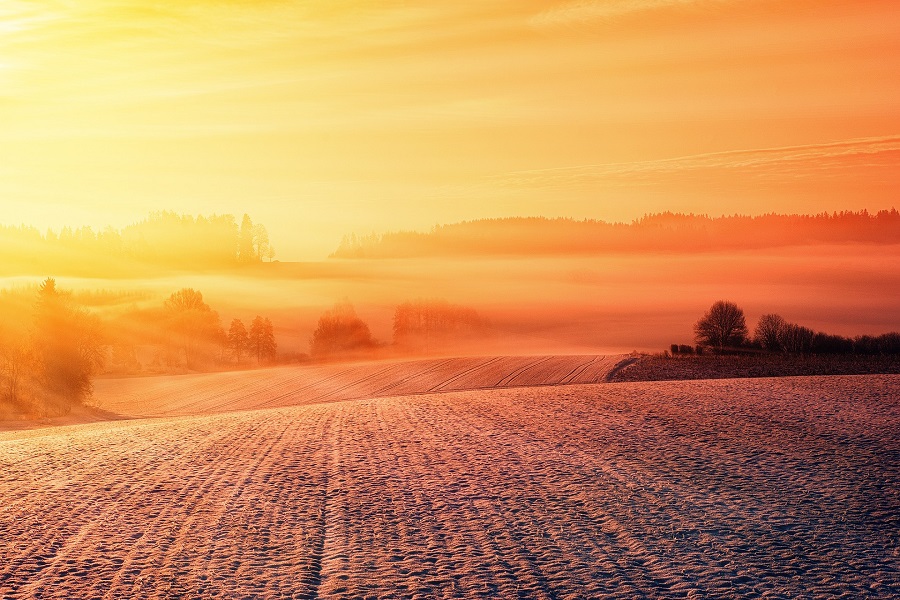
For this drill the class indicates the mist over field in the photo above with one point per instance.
(614, 303)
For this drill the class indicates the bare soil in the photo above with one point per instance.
(775, 488)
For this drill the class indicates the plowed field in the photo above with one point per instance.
(781, 488)
(292, 386)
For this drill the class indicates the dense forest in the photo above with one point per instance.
(163, 240)
(664, 232)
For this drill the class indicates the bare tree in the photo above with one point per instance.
(17, 364)
(768, 332)
(796, 339)
(723, 326)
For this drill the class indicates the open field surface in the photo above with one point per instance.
(779, 488)
(291, 386)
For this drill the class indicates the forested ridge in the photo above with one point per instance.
(668, 232)
(163, 240)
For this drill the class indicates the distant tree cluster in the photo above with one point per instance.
(427, 325)
(341, 333)
(775, 334)
(664, 231)
(191, 327)
(191, 334)
(420, 326)
(163, 239)
(48, 367)
(52, 347)
(258, 342)
(723, 328)
(253, 243)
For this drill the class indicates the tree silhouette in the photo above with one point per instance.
(246, 252)
(723, 326)
(824, 343)
(768, 332)
(123, 357)
(775, 334)
(653, 232)
(68, 345)
(340, 332)
(192, 323)
(796, 339)
(260, 242)
(429, 324)
(238, 340)
(17, 364)
(262, 339)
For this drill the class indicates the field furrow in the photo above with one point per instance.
(292, 386)
(755, 488)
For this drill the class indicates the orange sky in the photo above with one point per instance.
(321, 117)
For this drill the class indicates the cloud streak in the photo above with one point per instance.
(803, 156)
(584, 12)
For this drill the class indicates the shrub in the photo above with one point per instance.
(340, 332)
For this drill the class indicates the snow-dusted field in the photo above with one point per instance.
(779, 488)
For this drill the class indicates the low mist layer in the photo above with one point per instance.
(538, 305)
(211, 316)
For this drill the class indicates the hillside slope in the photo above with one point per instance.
(290, 386)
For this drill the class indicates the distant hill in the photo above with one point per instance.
(162, 241)
(663, 232)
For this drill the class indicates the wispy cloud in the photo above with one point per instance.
(591, 11)
(786, 157)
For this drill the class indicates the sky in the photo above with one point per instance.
(325, 117)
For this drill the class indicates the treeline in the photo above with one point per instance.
(669, 232)
(774, 334)
(52, 348)
(162, 240)
(723, 329)
(419, 327)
